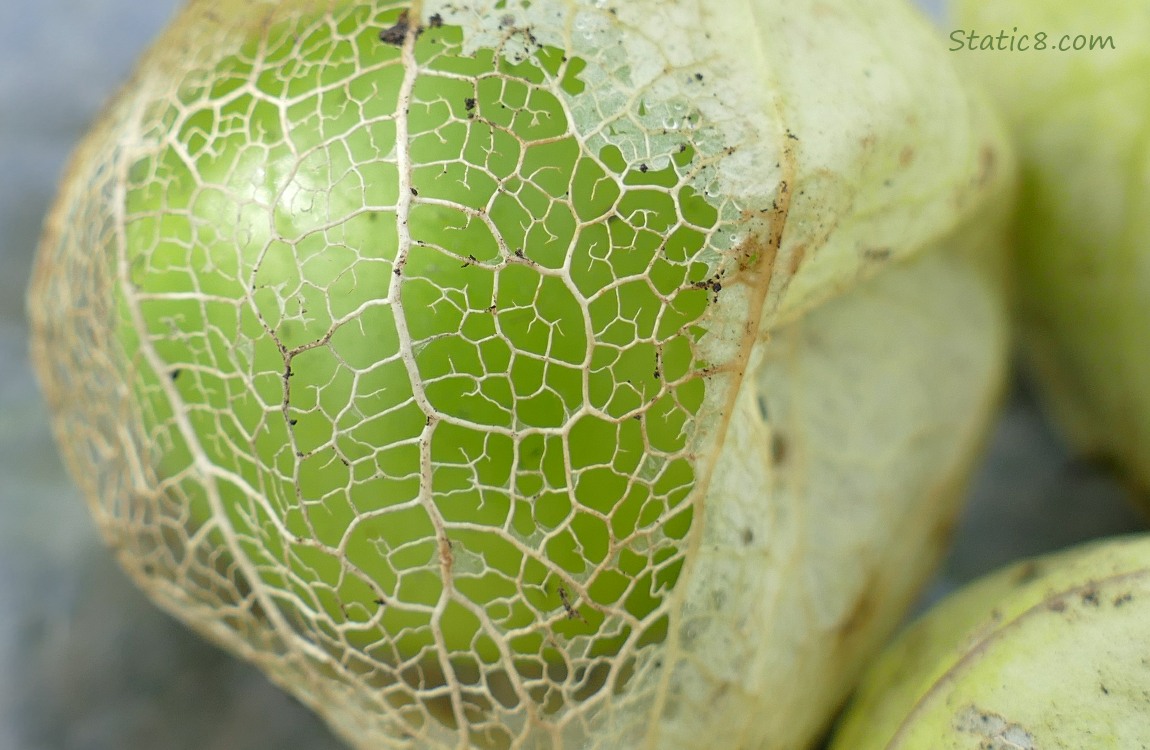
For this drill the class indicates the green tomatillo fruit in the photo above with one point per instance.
(1047, 654)
(1075, 101)
(538, 374)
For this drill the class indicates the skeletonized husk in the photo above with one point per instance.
(277, 412)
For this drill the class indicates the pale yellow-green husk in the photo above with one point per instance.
(1080, 120)
(1047, 654)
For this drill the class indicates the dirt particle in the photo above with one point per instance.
(1121, 600)
(572, 613)
(435, 21)
(469, 103)
(394, 35)
(175, 374)
(748, 536)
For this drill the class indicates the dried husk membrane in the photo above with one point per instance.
(1048, 653)
(1082, 248)
(544, 374)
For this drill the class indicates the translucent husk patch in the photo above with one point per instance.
(446, 362)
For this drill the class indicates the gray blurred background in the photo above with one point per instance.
(86, 663)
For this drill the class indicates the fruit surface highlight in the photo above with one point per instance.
(531, 374)
(1049, 653)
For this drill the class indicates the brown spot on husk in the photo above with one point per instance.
(864, 610)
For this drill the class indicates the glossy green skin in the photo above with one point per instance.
(1080, 119)
(312, 362)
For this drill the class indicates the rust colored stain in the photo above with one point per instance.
(755, 256)
(1029, 571)
(446, 556)
(864, 610)
(797, 257)
(779, 447)
(988, 160)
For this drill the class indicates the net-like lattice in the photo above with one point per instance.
(395, 346)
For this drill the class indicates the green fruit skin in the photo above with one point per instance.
(1048, 653)
(287, 361)
(1080, 120)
